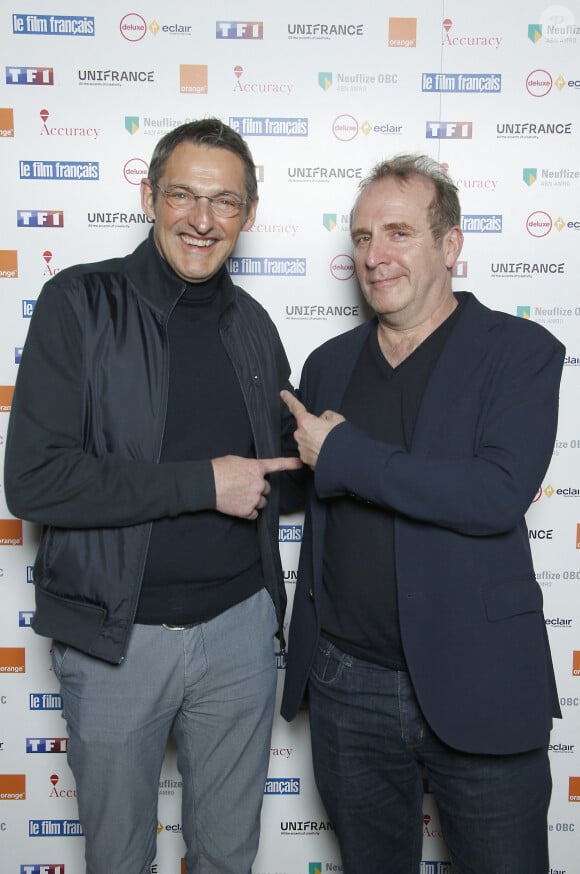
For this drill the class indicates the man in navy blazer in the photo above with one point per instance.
(417, 624)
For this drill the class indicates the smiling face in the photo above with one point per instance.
(403, 273)
(196, 243)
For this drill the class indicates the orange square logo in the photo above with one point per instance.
(10, 532)
(6, 393)
(574, 789)
(12, 660)
(578, 535)
(576, 663)
(402, 33)
(12, 787)
(183, 866)
(193, 79)
(8, 264)
(6, 122)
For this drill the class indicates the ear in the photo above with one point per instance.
(452, 245)
(147, 199)
(251, 217)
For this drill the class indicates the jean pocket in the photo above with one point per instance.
(328, 664)
(57, 654)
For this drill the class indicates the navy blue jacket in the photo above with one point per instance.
(470, 608)
(85, 435)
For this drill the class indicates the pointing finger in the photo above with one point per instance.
(293, 404)
(273, 465)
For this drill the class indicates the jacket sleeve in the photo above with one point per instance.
(486, 491)
(49, 478)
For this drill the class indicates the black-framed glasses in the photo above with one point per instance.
(182, 199)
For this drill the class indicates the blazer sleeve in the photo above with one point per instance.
(485, 490)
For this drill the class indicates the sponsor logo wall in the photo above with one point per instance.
(321, 92)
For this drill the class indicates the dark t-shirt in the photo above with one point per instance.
(359, 607)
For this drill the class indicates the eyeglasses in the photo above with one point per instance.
(182, 199)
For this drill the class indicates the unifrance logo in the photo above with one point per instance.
(53, 25)
(239, 30)
(402, 33)
(76, 171)
(29, 76)
(449, 130)
(461, 83)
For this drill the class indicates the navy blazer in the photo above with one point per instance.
(470, 607)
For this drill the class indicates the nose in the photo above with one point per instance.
(200, 214)
(377, 252)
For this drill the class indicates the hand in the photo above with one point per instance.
(241, 486)
(312, 430)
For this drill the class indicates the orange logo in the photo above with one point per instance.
(183, 866)
(403, 33)
(12, 660)
(193, 79)
(12, 787)
(578, 535)
(10, 532)
(6, 393)
(576, 663)
(8, 262)
(6, 122)
(574, 789)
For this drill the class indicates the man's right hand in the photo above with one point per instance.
(241, 486)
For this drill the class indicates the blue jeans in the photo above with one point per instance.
(212, 685)
(370, 744)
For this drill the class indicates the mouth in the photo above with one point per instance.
(196, 242)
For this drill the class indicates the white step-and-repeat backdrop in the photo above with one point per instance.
(321, 91)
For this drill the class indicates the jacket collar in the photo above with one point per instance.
(156, 282)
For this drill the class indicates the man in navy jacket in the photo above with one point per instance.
(417, 623)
